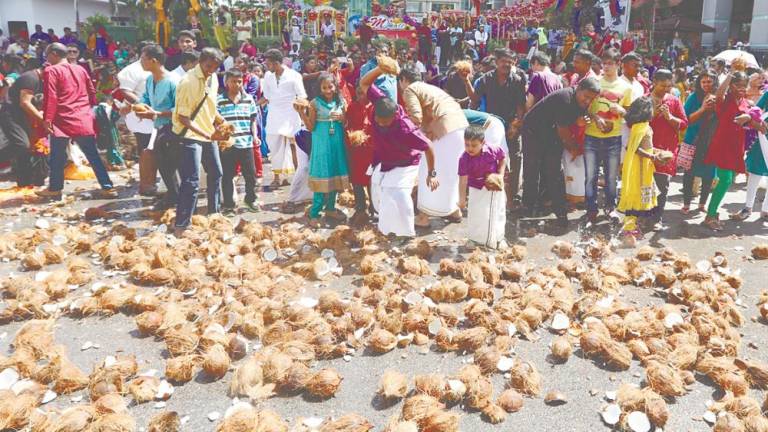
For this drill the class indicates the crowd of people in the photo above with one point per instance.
(413, 135)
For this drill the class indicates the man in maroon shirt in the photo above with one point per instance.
(68, 98)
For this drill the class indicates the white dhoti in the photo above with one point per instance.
(280, 153)
(496, 135)
(487, 216)
(391, 197)
(575, 177)
(445, 199)
(300, 191)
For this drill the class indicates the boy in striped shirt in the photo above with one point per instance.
(238, 109)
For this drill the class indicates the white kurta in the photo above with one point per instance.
(496, 135)
(444, 200)
(282, 120)
(487, 216)
(300, 191)
(391, 197)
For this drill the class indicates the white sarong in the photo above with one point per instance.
(280, 154)
(573, 171)
(445, 199)
(300, 191)
(487, 218)
(391, 197)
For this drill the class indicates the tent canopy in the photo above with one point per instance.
(683, 24)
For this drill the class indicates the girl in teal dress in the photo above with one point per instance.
(328, 171)
(758, 169)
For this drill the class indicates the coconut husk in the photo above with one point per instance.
(110, 403)
(296, 378)
(126, 366)
(382, 341)
(113, 423)
(742, 406)
(216, 361)
(149, 322)
(276, 366)
(247, 379)
(455, 390)
(396, 425)
(561, 348)
(592, 343)
(756, 373)
(103, 382)
(70, 378)
(417, 407)
(471, 339)
(617, 355)
(479, 393)
(656, 408)
(35, 337)
(74, 419)
(181, 369)
(510, 401)
(181, 341)
(448, 290)
(324, 384)
(760, 252)
(15, 411)
(347, 423)
(54, 254)
(393, 385)
(144, 388)
(431, 384)
(630, 398)
(755, 423)
(684, 357)
(563, 249)
(167, 421)
(728, 422)
(486, 358)
(645, 253)
(32, 261)
(494, 414)
(444, 340)
(414, 265)
(525, 378)
(664, 379)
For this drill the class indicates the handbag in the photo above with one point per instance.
(194, 113)
(685, 156)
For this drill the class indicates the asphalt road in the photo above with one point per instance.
(583, 381)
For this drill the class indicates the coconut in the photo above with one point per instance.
(561, 348)
(431, 384)
(469, 373)
(487, 358)
(444, 340)
(617, 355)
(144, 388)
(757, 373)
(15, 411)
(455, 390)
(417, 407)
(393, 385)
(438, 420)
(103, 382)
(494, 414)
(592, 343)
(525, 378)
(684, 356)
(113, 423)
(656, 408)
(247, 378)
(510, 400)
(382, 341)
(32, 261)
(167, 421)
(324, 384)
(181, 341)
(555, 398)
(664, 379)
(181, 369)
(111, 403)
(728, 422)
(760, 251)
(395, 425)
(479, 393)
(471, 339)
(237, 347)
(645, 253)
(414, 265)
(74, 419)
(296, 378)
(347, 423)
(216, 362)
(276, 367)
(35, 337)
(562, 249)
(149, 322)
(70, 378)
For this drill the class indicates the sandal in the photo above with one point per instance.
(764, 216)
(686, 210)
(336, 215)
(712, 224)
(314, 223)
(742, 215)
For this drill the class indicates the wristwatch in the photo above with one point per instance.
(432, 174)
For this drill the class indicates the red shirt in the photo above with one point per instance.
(627, 45)
(667, 137)
(250, 50)
(726, 151)
(68, 96)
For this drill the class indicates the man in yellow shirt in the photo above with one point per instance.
(194, 121)
(602, 144)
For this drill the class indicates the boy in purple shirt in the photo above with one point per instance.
(481, 167)
(397, 147)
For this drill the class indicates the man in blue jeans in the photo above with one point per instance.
(602, 145)
(194, 120)
(68, 98)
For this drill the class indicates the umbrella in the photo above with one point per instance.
(683, 24)
(729, 55)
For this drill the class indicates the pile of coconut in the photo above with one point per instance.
(226, 300)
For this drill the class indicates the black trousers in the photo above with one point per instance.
(28, 168)
(543, 169)
(167, 154)
(662, 183)
(706, 188)
(229, 160)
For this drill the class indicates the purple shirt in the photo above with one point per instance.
(400, 144)
(477, 168)
(544, 83)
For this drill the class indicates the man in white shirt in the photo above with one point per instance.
(133, 79)
(21, 48)
(481, 38)
(243, 27)
(188, 62)
(282, 86)
(328, 29)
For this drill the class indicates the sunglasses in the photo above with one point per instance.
(73, 51)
